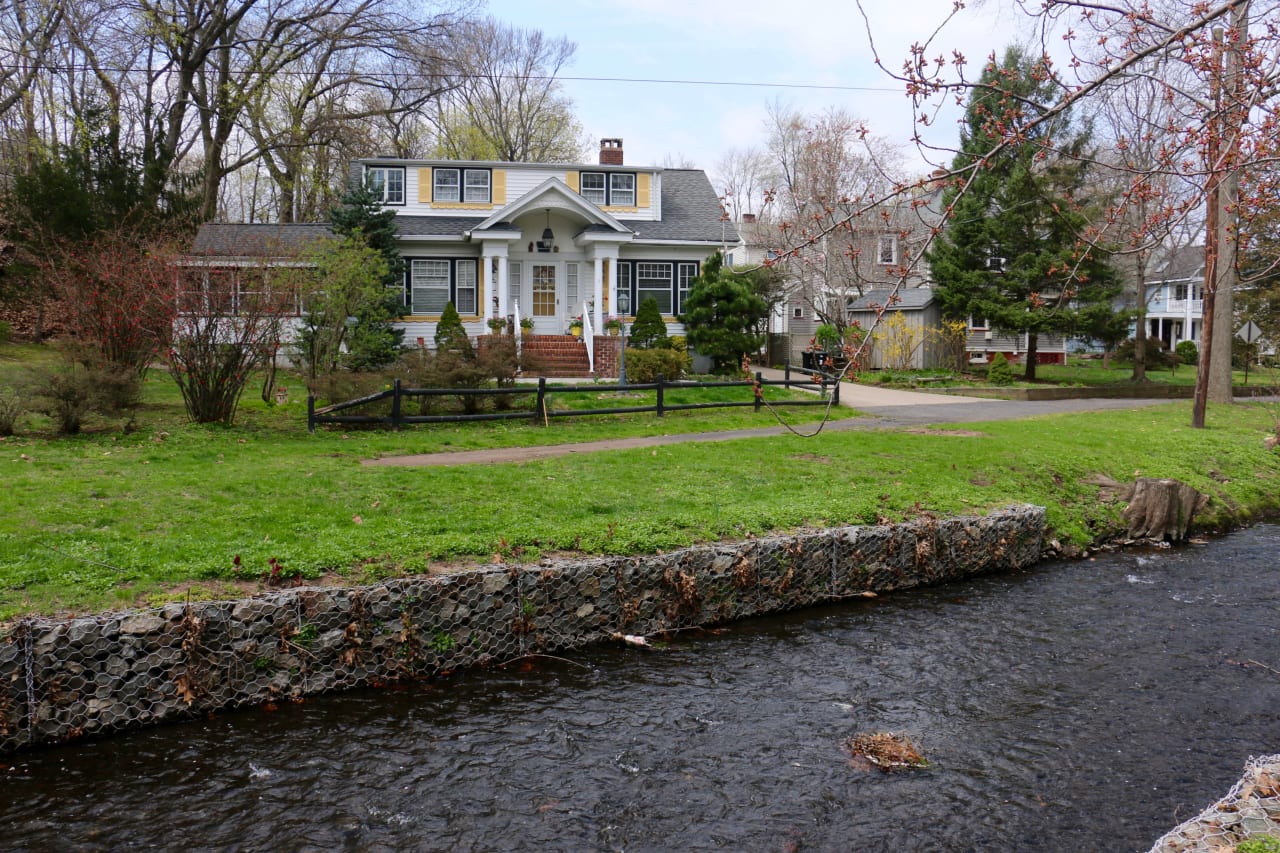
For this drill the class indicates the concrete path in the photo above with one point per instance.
(882, 408)
(891, 407)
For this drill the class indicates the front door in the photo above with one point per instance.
(546, 302)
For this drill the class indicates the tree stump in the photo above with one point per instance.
(1162, 509)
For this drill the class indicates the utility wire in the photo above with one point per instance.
(80, 67)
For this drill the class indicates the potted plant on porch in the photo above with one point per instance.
(613, 325)
(526, 326)
(497, 325)
(575, 326)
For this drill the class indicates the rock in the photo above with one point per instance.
(141, 623)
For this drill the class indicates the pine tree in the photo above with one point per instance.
(648, 331)
(373, 342)
(1013, 252)
(722, 315)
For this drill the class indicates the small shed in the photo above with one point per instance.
(908, 335)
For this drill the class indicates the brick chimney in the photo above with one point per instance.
(610, 152)
(749, 218)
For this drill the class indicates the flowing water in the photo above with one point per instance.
(1086, 706)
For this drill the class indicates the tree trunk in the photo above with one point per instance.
(1162, 509)
(1140, 327)
(1033, 346)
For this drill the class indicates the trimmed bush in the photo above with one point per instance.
(1187, 351)
(648, 331)
(450, 333)
(644, 365)
(999, 372)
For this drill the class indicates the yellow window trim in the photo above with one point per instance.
(571, 179)
(462, 205)
(620, 209)
(642, 189)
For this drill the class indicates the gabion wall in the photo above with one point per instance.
(61, 680)
(1251, 808)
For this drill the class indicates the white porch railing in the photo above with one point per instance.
(519, 332)
(588, 336)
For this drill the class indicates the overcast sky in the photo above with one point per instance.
(788, 43)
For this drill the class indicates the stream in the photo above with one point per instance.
(1078, 706)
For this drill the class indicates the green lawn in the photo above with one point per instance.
(111, 519)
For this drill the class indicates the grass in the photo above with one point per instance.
(109, 519)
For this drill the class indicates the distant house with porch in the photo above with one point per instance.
(547, 242)
(1175, 297)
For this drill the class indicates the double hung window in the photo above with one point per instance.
(434, 283)
(387, 182)
(887, 249)
(608, 189)
(473, 186)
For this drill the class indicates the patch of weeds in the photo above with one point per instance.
(306, 634)
(443, 642)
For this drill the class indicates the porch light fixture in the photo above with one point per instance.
(544, 245)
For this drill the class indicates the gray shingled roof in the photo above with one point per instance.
(910, 299)
(257, 240)
(1182, 263)
(690, 211)
(436, 226)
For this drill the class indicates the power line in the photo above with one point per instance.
(749, 84)
(86, 68)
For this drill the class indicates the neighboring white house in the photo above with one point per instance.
(1175, 297)
(556, 241)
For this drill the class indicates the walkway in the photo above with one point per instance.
(881, 408)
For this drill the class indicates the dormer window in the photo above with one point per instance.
(386, 182)
(608, 189)
(622, 190)
(476, 186)
(473, 186)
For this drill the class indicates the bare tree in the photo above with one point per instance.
(833, 187)
(741, 177)
(508, 104)
(364, 64)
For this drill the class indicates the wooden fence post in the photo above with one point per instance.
(311, 414)
(395, 405)
(540, 406)
(660, 401)
(759, 390)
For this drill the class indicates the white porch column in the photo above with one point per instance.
(495, 285)
(597, 293)
(504, 289)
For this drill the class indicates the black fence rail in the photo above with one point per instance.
(541, 412)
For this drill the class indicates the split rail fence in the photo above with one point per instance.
(826, 388)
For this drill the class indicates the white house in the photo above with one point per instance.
(551, 242)
(1175, 297)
